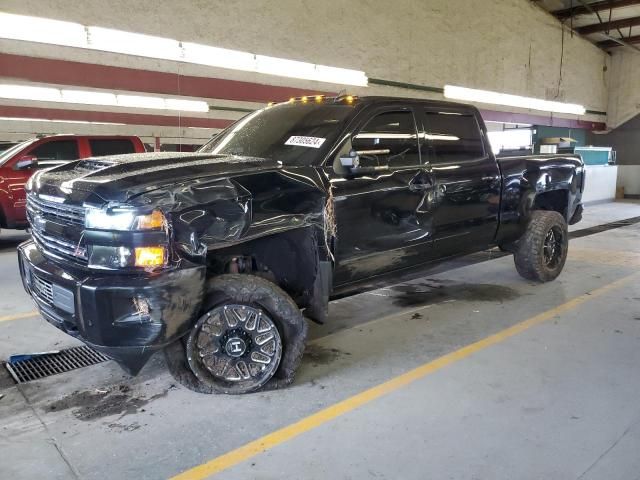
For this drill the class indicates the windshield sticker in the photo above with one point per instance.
(311, 142)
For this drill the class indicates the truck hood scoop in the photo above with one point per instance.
(91, 165)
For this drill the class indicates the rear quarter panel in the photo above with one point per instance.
(524, 178)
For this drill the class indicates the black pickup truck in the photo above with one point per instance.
(217, 257)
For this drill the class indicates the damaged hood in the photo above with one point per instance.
(118, 178)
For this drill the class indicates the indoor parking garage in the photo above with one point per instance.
(352, 239)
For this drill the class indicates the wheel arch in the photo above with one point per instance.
(295, 260)
(552, 200)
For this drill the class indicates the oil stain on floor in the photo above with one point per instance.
(91, 405)
(424, 293)
(317, 355)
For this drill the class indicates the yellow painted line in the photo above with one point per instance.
(18, 316)
(278, 437)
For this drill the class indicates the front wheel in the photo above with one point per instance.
(542, 250)
(251, 334)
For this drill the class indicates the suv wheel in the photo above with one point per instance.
(250, 334)
(542, 250)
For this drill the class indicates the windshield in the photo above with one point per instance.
(7, 154)
(296, 134)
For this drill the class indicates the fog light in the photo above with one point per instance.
(150, 256)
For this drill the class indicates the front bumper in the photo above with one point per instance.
(127, 317)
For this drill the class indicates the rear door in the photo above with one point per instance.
(467, 179)
(383, 220)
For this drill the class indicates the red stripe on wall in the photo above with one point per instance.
(114, 117)
(65, 72)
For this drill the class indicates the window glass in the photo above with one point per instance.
(9, 153)
(389, 138)
(296, 134)
(55, 151)
(110, 146)
(452, 137)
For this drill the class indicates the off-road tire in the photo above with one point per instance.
(250, 290)
(530, 257)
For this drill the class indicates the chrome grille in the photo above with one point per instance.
(59, 246)
(63, 213)
(43, 289)
(57, 227)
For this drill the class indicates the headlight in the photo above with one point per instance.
(121, 219)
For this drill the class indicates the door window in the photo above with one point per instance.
(110, 146)
(55, 152)
(452, 137)
(389, 138)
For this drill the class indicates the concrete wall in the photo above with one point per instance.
(506, 45)
(629, 179)
(625, 140)
(624, 94)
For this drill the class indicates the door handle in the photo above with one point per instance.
(442, 188)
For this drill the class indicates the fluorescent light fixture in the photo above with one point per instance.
(89, 97)
(284, 67)
(185, 105)
(117, 41)
(22, 119)
(54, 32)
(140, 101)
(22, 92)
(218, 57)
(42, 30)
(485, 96)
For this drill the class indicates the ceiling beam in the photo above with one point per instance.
(612, 43)
(596, 7)
(608, 26)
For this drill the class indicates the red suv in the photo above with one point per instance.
(19, 162)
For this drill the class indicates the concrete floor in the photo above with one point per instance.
(555, 397)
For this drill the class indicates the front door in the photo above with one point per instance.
(383, 219)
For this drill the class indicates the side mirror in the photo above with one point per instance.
(26, 161)
(356, 162)
(350, 161)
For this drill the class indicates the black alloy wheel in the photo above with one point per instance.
(237, 347)
(541, 252)
(552, 247)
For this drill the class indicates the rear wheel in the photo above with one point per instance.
(250, 335)
(542, 250)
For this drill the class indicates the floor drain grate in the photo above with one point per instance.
(26, 368)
